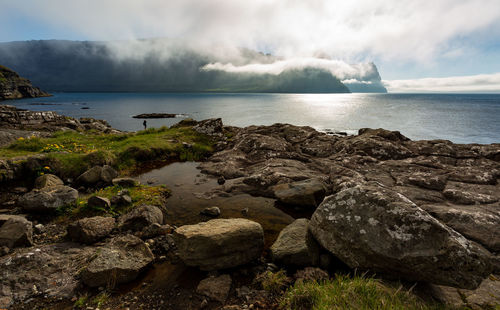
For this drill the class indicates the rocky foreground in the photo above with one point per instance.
(419, 211)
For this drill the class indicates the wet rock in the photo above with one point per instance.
(47, 180)
(372, 227)
(215, 288)
(16, 232)
(99, 202)
(125, 182)
(306, 194)
(48, 199)
(295, 246)
(141, 217)
(119, 261)
(211, 211)
(92, 229)
(219, 244)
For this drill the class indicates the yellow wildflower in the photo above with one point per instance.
(20, 138)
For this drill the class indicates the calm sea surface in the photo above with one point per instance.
(456, 117)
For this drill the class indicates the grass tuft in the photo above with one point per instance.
(345, 292)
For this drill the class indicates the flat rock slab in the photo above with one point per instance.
(372, 227)
(305, 194)
(220, 243)
(119, 261)
(51, 269)
(295, 246)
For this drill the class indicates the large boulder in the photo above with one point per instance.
(120, 261)
(48, 199)
(141, 217)
(371, 227)
(91, 229)
(307, 194)
(99, 202)
(220, 243)
(47, 180)
(295, 246)
(16, 232)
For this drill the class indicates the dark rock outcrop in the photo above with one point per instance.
(48, 180)
(219, 244)
(452, 185)
(12, 86)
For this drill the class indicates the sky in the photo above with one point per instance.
(417, 45)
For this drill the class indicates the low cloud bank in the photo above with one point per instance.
(473, 83)
(342, 70)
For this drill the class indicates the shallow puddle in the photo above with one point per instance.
(189, 187)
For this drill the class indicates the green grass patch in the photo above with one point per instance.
(141, 194)
(357, 292)
(71, 153)
(273, 282)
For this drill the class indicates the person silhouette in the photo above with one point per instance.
(145, 124)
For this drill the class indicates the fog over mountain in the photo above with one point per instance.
(179, 66)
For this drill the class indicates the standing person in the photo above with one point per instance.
(145, 124)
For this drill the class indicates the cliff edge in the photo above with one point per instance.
(12, 86)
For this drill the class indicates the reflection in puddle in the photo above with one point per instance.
(189, 187)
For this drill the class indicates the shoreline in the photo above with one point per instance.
(439, 197)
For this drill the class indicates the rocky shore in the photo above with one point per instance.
(425, 214)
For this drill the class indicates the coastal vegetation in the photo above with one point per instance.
(70, 153)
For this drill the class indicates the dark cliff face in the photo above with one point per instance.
(12, 86)
(93, 66)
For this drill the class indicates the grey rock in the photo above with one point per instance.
(5, 217)
(121, 200)
(155, 230)
(119, 261)
(209, 127)
(108, 174)
(220, 243)
(91, 229)
(295, 246)
(48, 199)
(47, 180)
(306, 194)
(141, 217)
(372, 227)
(215, 288)
(486, 296)
(99, 202)
(91, 176)
(16, 232)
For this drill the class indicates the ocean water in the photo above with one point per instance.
(461, 118)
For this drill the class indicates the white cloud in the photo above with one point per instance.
(338, 68)
(356, 30)
(472, 83)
